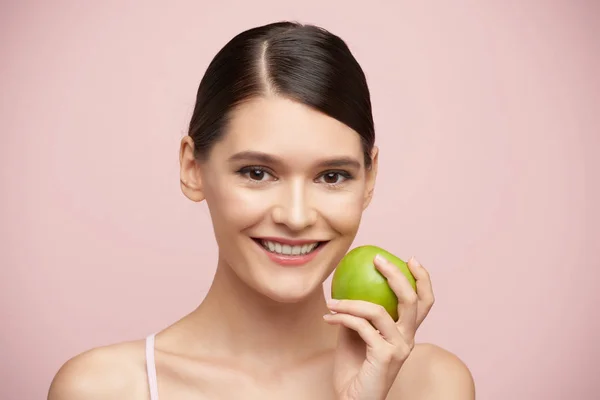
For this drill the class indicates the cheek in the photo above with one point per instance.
(342, 211)
(234, 207)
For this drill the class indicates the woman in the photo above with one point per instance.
(281, 147)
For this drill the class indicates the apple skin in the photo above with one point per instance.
(356, 278)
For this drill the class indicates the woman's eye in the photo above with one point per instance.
(255, 174)
(333, 178)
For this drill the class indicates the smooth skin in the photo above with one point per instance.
(388, 343)
(264, 331)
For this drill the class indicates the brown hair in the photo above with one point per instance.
(304, 63)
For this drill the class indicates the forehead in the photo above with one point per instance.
(288, 129)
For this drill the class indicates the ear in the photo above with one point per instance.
(371, 177)
(189, 173)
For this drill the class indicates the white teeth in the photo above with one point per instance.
(287, 249)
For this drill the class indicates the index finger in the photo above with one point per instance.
(423, 280)
(407, 297)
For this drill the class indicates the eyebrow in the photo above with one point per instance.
(258, 156)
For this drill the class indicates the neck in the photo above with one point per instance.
(238, 321)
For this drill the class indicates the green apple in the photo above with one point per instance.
(356, 278)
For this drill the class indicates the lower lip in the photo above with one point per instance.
(291, 260)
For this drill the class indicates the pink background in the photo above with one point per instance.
(487, 113)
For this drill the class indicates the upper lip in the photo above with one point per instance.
(291, 242)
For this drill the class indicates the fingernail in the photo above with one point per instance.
(379, 258)
(332, 302)
(415, 262)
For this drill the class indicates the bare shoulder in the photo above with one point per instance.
(432, 373)
(109, 372)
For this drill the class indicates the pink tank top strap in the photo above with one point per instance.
(151, 368)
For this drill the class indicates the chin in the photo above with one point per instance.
(288, 297)
(289, 287)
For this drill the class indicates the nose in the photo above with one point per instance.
(294, 208)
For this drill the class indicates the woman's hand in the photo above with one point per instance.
(372, 347)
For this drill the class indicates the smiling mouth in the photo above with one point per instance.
(285, 249)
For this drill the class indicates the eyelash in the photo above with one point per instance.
(246, 170)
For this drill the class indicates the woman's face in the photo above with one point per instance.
(286, 187)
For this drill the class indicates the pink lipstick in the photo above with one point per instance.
(289, 252)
